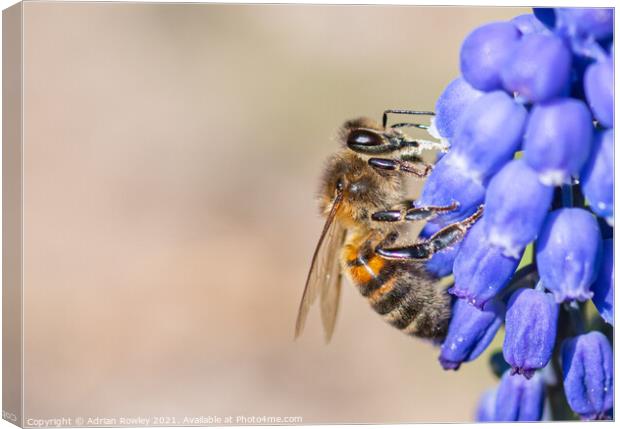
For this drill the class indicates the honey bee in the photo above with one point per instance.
(362, 195)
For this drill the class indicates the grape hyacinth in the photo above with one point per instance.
(603, 288)
(531, 322)
(529, 127)
(472, 330)
(588, 368)
(519, 398)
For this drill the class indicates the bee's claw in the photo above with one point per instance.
(442, 239)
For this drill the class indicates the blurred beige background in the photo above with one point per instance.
(171, 160)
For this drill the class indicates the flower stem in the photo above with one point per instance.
(525, 277)
(567, 196)
(575, 317)
(560, 409)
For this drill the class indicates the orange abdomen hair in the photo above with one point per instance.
(404, 293)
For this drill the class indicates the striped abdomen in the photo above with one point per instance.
(404, 293)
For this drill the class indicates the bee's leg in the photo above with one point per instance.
(412, 214)
(420, 169)
(445, 237)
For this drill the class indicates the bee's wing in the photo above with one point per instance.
(324, 276)
(330, 289)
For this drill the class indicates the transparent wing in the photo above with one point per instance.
(324, 276)
(330, 290)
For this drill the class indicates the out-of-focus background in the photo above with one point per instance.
(172, 155)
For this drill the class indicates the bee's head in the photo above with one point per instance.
(362, 189)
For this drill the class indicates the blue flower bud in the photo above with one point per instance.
(558, 139)
(529, 24)
(515, 207)
(451, 104)
(485, 411)
(588, 371)
(568, 252)
(603, 288)
(481, 269)
(539, 68)
(488, 134)
(599, 88)
(519, 398)
(449, 183)
(597, 23)
(441, 262)
(470, 332)
(531, 324)
(484, 52)
(597, 176)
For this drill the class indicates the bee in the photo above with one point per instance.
(362, 195)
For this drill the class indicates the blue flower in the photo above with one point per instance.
(531, 324)
(450, 105)
(481, 269)
(448, 183)
(516, 204)
(540, 89)
(588, 371)
(485, 412)
(519, 398)
(539, 68)
(599, 88)
(488, 134)
(603, 288)
(484, 53)
(597, 176)
(470, 332)
(568, 254)
(597, 23)
(558, 139)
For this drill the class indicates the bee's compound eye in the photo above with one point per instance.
(363, 138)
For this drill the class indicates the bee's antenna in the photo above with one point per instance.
(410, 124)
(404, 112)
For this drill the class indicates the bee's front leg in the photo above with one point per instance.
(442, 239)
(419, 169)
(412, 214)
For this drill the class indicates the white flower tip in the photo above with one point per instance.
(505, 243)
(461, 164)
(610, 221)
(553, 177)
(433, 131)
